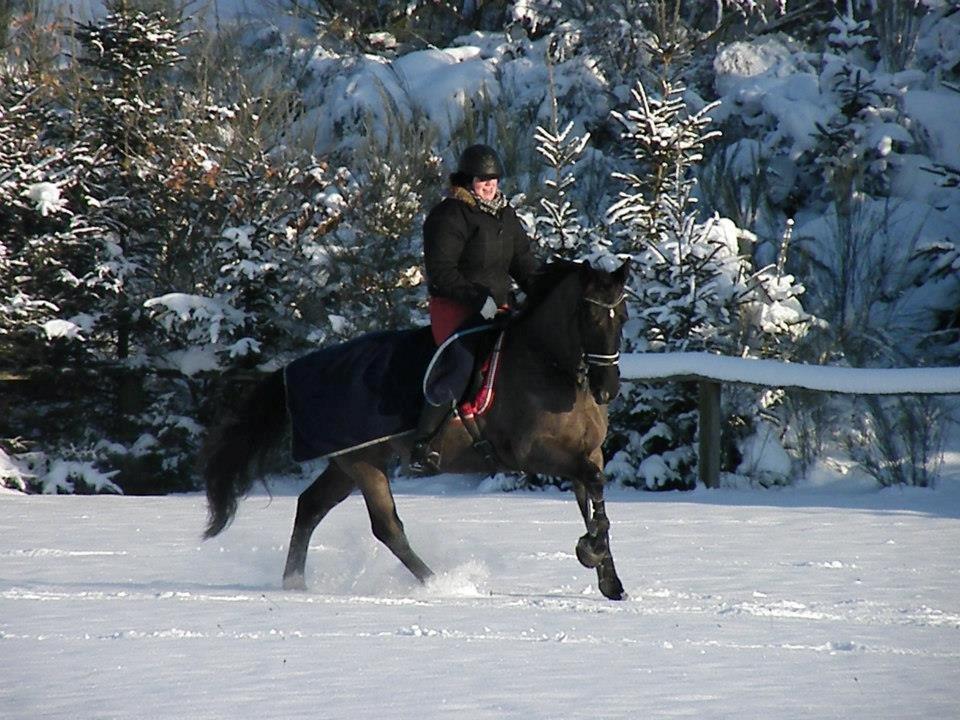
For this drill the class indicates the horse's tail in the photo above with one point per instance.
(238, 446)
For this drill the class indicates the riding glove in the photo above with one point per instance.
(489, 309)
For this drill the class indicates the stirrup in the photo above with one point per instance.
(423, 460)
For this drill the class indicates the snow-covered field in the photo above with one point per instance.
(799, 603)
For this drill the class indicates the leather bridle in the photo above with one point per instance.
(599, 359)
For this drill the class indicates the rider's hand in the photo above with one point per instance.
(489, 309)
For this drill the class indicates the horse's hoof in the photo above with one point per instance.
(294, 582)
(587, 556)
(612, 588)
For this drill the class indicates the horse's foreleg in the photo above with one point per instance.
(588, 552)
(326, 492)
(385, 522)
(593, 548)
(610, 584)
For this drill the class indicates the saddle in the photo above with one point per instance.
(464, 368)
(462, 375)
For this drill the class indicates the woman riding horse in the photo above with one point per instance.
(473, 244)
(559, 370)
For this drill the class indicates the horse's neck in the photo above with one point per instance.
(551, 330)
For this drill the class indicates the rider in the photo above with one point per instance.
(473, 244)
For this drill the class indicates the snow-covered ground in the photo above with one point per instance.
(808, 602)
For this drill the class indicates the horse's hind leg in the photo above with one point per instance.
(326, 492)
(385, 522)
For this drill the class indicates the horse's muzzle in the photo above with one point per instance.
(604, 383)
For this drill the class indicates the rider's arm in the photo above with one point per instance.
(444, 239)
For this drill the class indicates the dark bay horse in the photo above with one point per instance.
(559, 369)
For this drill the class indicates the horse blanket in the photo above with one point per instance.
(372, 388)
(357, 393)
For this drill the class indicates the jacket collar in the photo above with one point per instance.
(491, 208)
(460, 193)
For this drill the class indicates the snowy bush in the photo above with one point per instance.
(845, 136)
(35, 472)
(14, 473)
(899, 441)
(73, 476)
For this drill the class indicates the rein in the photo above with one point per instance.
(598, 359)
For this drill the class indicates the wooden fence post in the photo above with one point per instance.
(709, 460)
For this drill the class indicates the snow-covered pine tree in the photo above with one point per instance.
(665, 141)
(694, 289)
(84, 232)
(127, 110)
(676, 304)
(129, 200)
(559, 228)
(41, 238)
(376, 250)
(239, 297)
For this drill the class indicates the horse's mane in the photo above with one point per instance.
(545, 280)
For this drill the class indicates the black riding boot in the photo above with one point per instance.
(424, 460)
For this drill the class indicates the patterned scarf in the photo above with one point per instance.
(491, 207)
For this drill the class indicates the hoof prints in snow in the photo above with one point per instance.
(800, 612)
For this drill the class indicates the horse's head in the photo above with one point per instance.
(602, 314)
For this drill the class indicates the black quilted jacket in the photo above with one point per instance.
(470, 254)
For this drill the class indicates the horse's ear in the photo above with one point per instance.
(621, 272)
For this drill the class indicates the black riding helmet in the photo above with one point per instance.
(477, 161)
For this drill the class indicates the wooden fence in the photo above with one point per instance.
(712, 371)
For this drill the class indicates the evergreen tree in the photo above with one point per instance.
(377, 249)
(696, 292)
(42, 246)
(146, 240)
(559, 228)
(126, 110)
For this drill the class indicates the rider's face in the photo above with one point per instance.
(485, 189)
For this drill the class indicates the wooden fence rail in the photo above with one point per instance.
(711, 371)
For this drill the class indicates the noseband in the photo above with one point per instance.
(597, 359)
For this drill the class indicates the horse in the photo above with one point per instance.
(558, 372)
